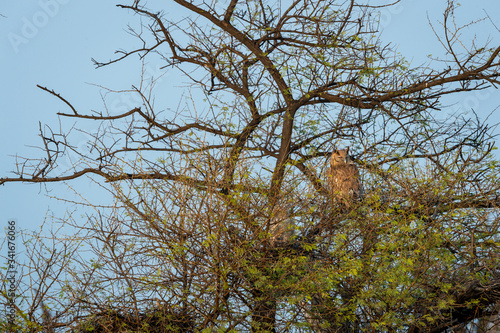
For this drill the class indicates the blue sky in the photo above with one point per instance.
(51, 43)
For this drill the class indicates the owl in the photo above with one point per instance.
(343, 179)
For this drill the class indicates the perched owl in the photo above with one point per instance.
(343, 179)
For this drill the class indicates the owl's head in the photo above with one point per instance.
(340, 157)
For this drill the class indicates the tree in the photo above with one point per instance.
(222, 220)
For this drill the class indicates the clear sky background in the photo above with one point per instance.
(51, 43)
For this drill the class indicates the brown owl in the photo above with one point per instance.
(343, 179)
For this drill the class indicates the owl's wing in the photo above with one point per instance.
(353, 179)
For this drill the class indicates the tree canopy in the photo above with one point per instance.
(222, 219)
